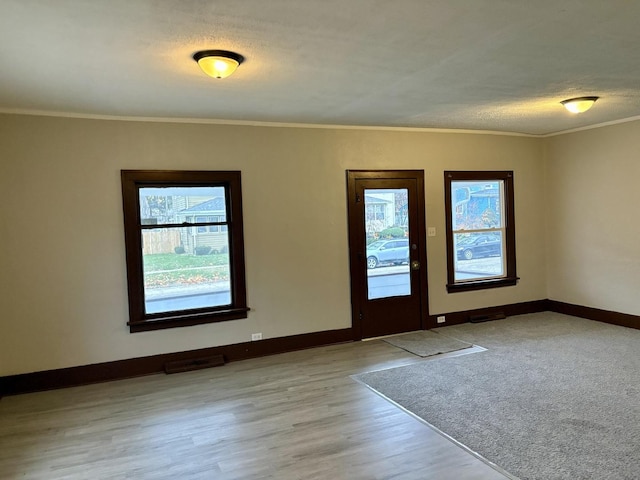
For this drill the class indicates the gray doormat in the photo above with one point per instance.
(426, 343)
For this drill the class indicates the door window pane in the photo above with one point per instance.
(386, 232)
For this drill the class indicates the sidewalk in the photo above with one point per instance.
(223, 286)
(186, 290)
(391, 270)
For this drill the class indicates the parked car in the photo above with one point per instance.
(388, 252)
(479, 246)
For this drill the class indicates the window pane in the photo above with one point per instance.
(476, 204)
(478, 256)
(184, 271)
(386, 229)
(176, 205)
(200, 220)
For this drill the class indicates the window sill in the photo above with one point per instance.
(481, 285)
(187, 320)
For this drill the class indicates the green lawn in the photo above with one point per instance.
(170, 269)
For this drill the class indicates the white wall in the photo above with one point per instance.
(63, 282)
(593, 231)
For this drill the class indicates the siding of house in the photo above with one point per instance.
(217, 241)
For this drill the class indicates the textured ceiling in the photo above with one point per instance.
(500, 65)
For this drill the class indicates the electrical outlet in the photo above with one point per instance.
(431, 231)
(441, 319)
(256, 336)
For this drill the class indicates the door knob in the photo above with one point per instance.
(415, 265)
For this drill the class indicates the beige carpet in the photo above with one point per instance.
(554, 397)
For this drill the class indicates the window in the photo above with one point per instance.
(185, 249)
(375, 211)
(480, 230)
(201, 229)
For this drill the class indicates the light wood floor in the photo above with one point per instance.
(292, 416)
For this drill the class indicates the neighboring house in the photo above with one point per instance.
(486, 199)
(379, 211)
(384, 209)
(472, 203)
(214, 236)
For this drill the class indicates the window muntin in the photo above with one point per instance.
(480, 230)
(185, 254)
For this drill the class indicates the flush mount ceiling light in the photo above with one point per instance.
(580, 104)
(218, 63)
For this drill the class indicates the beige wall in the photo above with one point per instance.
(593, 231)
(63, 283)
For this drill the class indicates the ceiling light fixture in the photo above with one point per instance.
(580, 104)
(218, 63)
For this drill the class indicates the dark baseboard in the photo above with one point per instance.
(135, 367)
(606, 316)
(456, 318)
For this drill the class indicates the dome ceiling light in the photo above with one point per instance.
(218, 63)
(579, 104)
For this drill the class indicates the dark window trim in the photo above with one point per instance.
(510, 278)
(132, 180)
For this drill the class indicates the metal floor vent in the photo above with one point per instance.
(193, 364)
(486, 317)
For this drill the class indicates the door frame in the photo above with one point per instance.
(357, 258)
